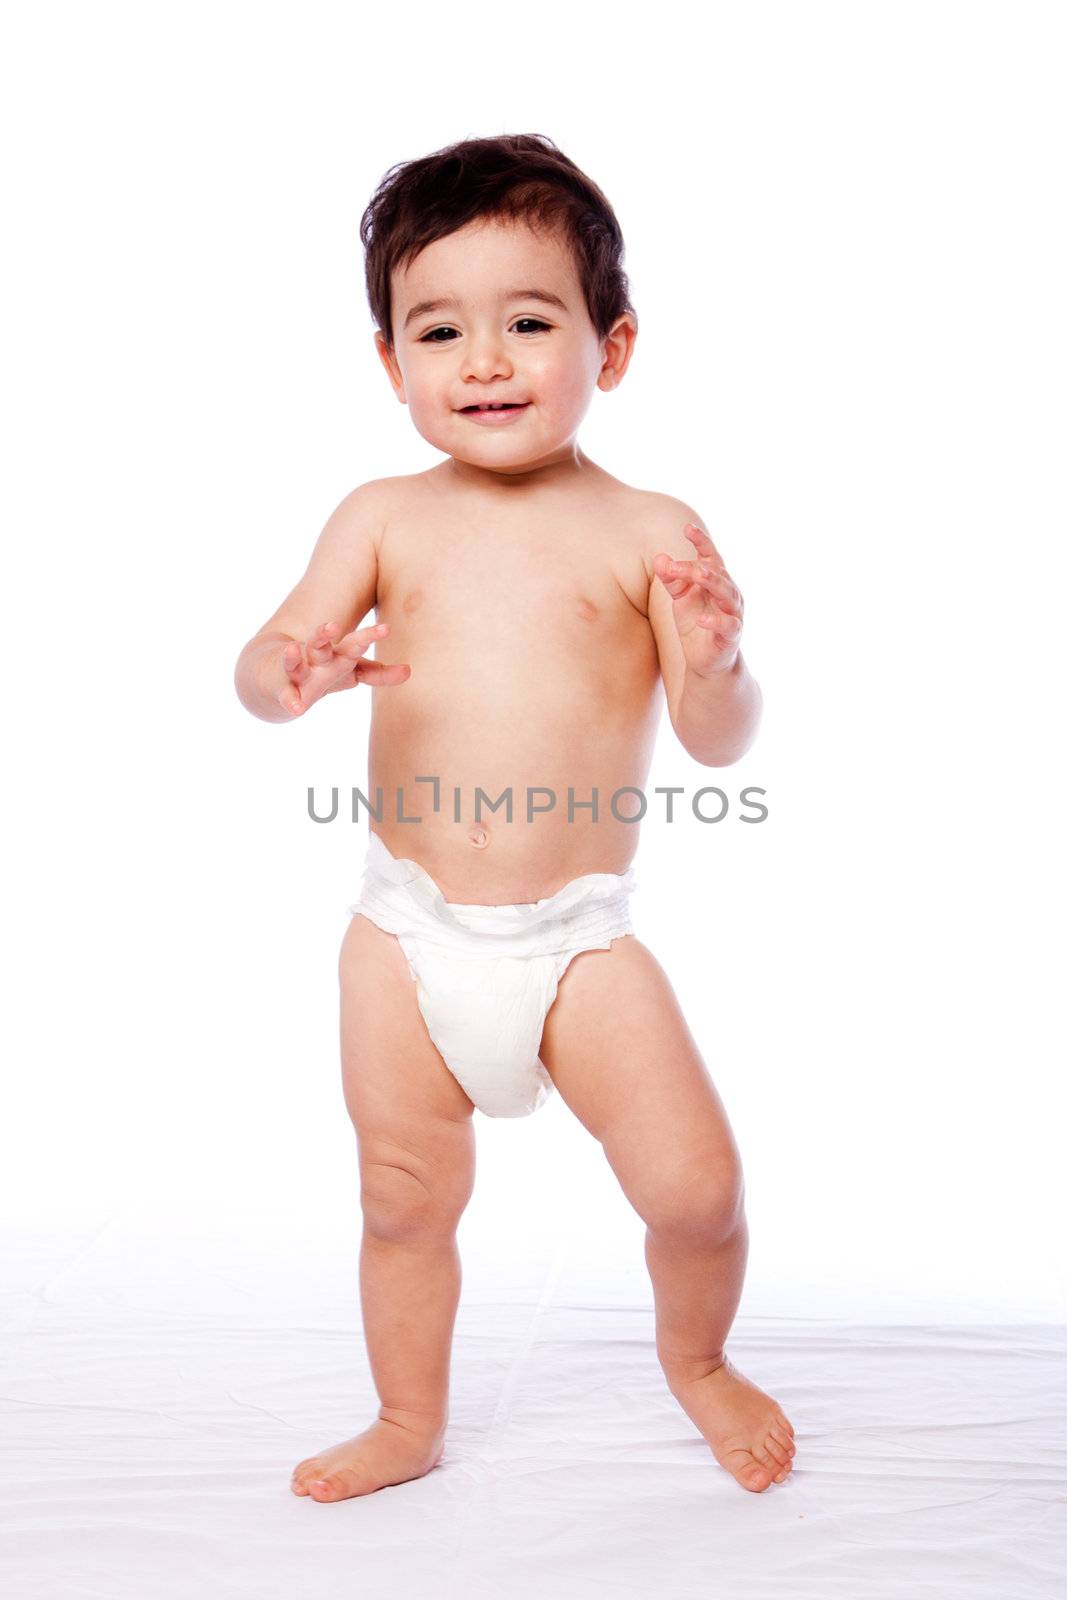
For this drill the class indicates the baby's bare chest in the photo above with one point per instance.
(508, 594)
(518, 647)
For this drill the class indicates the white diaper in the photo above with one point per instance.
(486, 976)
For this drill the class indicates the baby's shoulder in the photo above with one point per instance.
(405, 493)
(368, 510)
(392, 491)
(636, 524)
(656, 521)
(664, 509)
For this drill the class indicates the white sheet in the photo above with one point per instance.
(157, 1392)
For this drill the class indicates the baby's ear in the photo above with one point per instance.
(618, 347)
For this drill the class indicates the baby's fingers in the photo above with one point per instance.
(722, 586)
(296, 667)
(296, 670)
(722, 623)
(382, 673)
(703, 543)
(354, 644)
(675, 576)
(320, 645)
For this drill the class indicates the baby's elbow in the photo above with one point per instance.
(719, 758)
(714, 755)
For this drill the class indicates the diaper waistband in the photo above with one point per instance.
(398, 890)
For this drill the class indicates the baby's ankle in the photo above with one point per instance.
(424, 1424)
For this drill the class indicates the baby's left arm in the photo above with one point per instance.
(696, 612)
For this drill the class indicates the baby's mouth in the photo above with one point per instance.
(506, 405)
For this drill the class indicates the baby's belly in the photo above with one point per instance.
(504, 801)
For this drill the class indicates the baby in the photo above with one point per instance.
(529, 606)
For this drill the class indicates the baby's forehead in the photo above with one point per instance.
(489, 258)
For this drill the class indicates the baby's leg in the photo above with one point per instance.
(416, 1155)
(622, 1057)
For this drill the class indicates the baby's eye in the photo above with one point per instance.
(532, 325)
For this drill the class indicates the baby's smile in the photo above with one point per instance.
(495, 415)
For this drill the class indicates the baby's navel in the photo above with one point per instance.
(478, 837)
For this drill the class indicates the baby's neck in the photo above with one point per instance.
(568, 463)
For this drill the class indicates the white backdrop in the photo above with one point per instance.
(845, 240)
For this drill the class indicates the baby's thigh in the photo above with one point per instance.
(622, 1057)
(407, 1108)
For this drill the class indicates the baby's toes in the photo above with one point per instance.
(753, 1474)
(334, 1486)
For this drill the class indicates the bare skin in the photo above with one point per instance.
(537, 612)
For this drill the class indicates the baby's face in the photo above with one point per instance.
(490, 336)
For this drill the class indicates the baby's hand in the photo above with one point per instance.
(708, 607)
(327, 663)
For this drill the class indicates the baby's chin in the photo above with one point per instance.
(498, 448)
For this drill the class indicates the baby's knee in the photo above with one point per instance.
(708, 1206)
(399, 1205)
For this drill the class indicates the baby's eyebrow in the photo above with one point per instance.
(449, 302)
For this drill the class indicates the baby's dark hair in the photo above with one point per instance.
(514, 176)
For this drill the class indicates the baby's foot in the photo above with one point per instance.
(385, 1453)
(748, 1432)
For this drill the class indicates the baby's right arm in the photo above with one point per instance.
(296, 657)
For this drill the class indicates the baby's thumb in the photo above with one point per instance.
(673, 581)
(381, 674)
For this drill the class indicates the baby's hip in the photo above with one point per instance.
(494, 862)
(400, 896)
